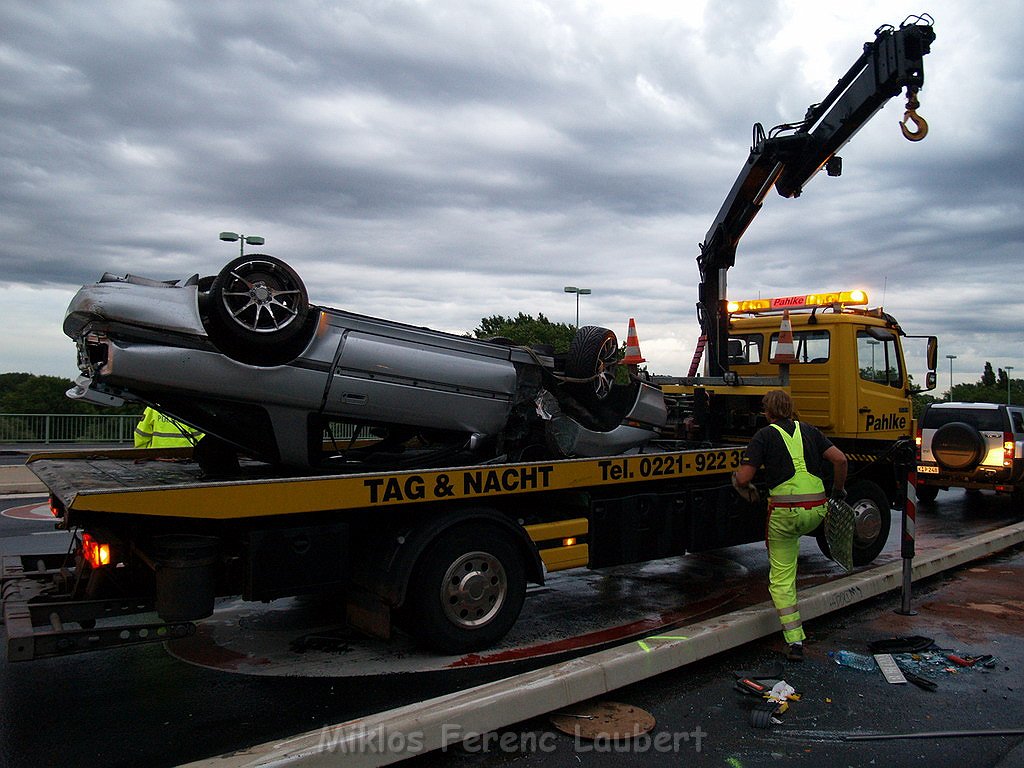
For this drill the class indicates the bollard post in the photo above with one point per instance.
(907, 543)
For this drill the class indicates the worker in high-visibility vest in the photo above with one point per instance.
(793, 455)
(158, 431)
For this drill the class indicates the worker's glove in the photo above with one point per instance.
(748, 493)
(838, 495)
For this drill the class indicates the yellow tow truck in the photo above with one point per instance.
(446, 552)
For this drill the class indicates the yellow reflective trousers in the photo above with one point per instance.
(805, 493)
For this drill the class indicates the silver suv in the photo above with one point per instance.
(977, 446)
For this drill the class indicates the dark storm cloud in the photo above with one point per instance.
(438, 162)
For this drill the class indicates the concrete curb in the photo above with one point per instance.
(388, 737)
(19, 479)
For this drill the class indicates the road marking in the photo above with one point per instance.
(29, 512)
(643, 643)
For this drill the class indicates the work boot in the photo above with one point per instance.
(795, 652)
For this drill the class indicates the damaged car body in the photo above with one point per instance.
(245, 358)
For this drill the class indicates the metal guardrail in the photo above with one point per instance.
(67, 428)
(97, 428)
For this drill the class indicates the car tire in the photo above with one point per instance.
(958, 446)
(258, 312)
(872, 521)
(927, 493)
(466, 591)
(593, 355)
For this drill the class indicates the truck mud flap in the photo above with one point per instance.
(632, 529)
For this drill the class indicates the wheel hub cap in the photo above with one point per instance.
(867, 522)
(474, 589)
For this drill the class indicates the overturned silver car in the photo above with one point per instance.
(245, 358)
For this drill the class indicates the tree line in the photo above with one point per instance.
(30, 393)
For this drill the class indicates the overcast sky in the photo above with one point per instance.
(438, 162)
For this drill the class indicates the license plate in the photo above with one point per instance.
(926, 469)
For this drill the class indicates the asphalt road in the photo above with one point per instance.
(142, 706)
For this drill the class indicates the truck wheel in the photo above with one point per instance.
(466, 591)
(958, 446)
(593, 355)
(258, 311)
(871, 522)
(927, 493)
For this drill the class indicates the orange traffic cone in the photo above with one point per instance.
(632, 346)
(785, 351)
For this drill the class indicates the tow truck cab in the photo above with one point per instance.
(850, 378)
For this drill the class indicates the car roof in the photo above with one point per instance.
(979, 406)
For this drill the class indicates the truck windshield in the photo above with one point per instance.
(810, 346)
(745, 348)
(879, 360)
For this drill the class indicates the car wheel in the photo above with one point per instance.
(466, 591)
(871, 522)
(258, 311)
(958, 446)
(927, 493)
(593, 355)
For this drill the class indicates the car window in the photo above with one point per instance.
(1018, 420)
(982, 419)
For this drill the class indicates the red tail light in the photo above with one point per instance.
(1008, 449)
(917, 441)
(96, 553)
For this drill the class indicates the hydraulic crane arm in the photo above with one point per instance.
(791, 154)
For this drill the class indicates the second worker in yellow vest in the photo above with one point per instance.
(795, 458)
(158, 431)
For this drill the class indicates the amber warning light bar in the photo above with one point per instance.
(806, 301)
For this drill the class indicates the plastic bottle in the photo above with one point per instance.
(855, 660)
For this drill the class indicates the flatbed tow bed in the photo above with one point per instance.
(554, 515)
(130, 481)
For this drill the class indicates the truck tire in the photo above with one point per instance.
(958, 446)
(593, 355)
(466, 591)
(872, 521)
(258, 311)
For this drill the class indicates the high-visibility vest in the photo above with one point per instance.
(803, 489)
(159, 431)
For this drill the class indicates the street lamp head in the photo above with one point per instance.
(571, 289)
(242, 240)
(951, 357)
(584, 291)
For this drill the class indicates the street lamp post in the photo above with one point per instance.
(951, 358)
(243, 240)
(1008, 369)
(873, 344)
(579, 292)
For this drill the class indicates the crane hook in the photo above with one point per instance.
(911, 116)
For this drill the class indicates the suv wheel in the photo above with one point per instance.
(958, 446)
